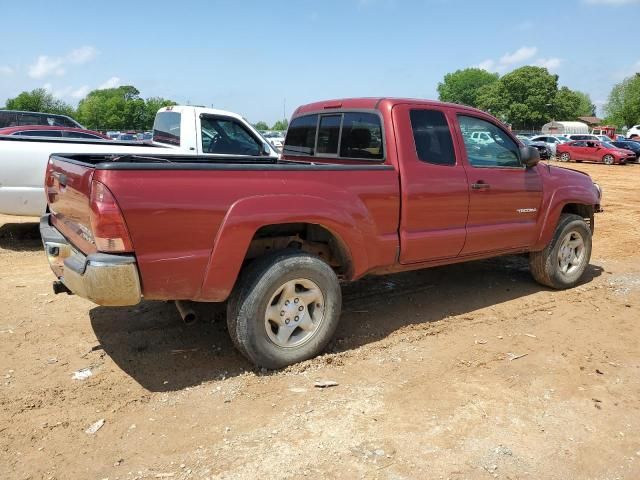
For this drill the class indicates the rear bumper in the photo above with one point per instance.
(105, 279)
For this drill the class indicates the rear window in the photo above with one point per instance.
(353, 135)
(166, 128)
(301, 135)
(361, 136)
(329, 134)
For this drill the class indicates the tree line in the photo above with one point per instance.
(526, 98)
(119, 108)
(529, 97)
(280, 125)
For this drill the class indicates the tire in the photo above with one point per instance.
(608, 160)
(565, 157)
(546, 265)
(256, 311)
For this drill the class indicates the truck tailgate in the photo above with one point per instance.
(68, 189)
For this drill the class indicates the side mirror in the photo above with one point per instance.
(266, 149)
(529, 156)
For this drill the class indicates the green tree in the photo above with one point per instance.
(117, 109)
(462, 86)
(623, 105)
(281, 125)
(524, 97)
(261, 126)
(570, 104)
(39, 100)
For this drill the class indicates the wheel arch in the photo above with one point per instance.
(579, 201)
(260, 225)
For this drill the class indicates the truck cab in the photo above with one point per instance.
(216, 132)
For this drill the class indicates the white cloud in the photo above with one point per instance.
(80, 92)
(486, 65)
(46, 66)
(113, 82)
(82, 55)
(519, 56)
(5, 70)
(612, 2)
(551, 63)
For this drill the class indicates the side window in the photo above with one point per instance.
(301, 136)
(227, 137)
(579, 144)
(80, 135)
(361, 136)
(432, 137)
(497, 149)
(41, 133)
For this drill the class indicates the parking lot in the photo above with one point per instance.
(465, 371)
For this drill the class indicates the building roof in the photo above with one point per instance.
(591, 120)
(565, 124)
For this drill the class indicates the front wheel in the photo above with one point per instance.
(285, 309)
(561, 264)
(565, 157)
(608, 159)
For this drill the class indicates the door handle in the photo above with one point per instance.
(480, 185)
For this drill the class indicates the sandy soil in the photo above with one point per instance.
(469, 371)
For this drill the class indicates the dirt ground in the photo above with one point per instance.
(469, 371)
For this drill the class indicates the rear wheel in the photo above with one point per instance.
(561, 264)
(565, 157)
(285, 309)
(608, 159)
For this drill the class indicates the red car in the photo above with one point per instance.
(364, 186)
(53, 132)
(592, 151)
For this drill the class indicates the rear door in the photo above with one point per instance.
(578, 150)
(504, 196)
(593, 151)
(435, 195)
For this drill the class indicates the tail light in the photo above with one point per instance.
(107, 223)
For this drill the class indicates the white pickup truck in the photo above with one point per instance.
(179, 130)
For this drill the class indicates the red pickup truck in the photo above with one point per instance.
(364, 186)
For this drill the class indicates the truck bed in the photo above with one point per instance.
(191, 218)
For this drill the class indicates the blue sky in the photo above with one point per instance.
(260, 58)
